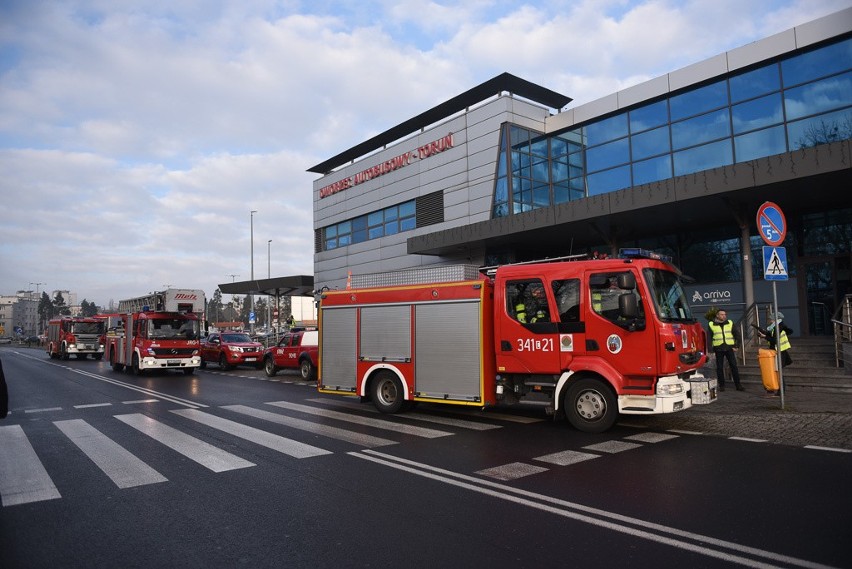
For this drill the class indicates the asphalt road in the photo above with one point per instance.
(226, 469)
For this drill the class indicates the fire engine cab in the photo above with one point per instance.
(166, 337)
(75, 335)
(587, 339)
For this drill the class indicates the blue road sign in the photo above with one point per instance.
(771, 224)
(775, 264)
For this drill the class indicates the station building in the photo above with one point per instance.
(511, 171)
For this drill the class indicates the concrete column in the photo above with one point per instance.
(748, 277)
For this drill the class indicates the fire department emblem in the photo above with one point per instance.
(613, 343)
(566, 343)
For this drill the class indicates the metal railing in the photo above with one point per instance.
(747, 327)
(842, 323)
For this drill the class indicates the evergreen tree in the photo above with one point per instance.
(60, 308)
(88, 308)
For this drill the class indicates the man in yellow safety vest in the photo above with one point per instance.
(724, 346)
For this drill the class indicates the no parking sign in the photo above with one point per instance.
(771, 224)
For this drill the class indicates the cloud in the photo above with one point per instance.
(136, 137)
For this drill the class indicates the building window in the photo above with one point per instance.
(784, 105)
(388, 221)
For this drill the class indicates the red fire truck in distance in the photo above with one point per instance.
(146, 338)
(75, 335)
(587, 339)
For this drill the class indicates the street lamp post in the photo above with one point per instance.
(38, 315)
(268, 276)
(232, 294)
(251, 296)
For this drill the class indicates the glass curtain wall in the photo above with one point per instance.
(793, 103)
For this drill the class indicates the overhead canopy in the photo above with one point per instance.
(296, 285)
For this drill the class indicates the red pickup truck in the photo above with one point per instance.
(298, 349)
(230, 349)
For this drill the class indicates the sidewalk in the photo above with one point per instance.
(810, 417)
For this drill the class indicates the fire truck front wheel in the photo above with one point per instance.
(591, 406)
(386, 392)
(137, 370)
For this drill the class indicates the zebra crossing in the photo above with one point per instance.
(24, 478)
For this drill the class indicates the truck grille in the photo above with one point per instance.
(173, 352)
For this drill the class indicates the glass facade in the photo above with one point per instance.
(785, 105)
(388, 221)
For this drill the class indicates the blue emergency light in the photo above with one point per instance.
(639, 253)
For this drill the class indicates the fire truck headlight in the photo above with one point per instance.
(669, 389)
(235, 348)
(151, 352)
(194, 353)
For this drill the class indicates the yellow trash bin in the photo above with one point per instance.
(768, 373)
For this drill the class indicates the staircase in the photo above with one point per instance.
(813, 369)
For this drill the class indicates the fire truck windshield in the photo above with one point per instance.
(87, 328)
(668, 295)
(173, 329)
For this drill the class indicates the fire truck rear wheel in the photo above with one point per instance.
(387, 392)
(115, 366)
(591, 406)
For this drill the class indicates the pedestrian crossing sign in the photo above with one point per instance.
(775, 264)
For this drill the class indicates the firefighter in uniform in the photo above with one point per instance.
(535, 310)
(724, 346)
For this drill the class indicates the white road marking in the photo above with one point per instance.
(23, 478)
(359, 439)
(650, 437)
(123, 468)
(203, 453)
(511, 471)
(359, 420)
(635, 527)
(612, 447)
(567, 457)
(257, 436)
(425, 417)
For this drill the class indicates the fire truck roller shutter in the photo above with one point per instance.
(448, 350)
(386, 333)
(338, 348)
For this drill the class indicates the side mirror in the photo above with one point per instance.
(626, 281)
(628, 307)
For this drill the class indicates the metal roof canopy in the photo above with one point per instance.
(495, 86)
(295, 285)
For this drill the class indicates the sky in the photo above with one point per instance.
(137, 136)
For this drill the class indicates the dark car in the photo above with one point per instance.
(230, 349)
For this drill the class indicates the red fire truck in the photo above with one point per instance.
(584, 338)
(158, 331)
(75, 335)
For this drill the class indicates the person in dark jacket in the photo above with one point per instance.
(777, 328)
(4, 394)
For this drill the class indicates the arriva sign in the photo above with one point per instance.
(711, 296)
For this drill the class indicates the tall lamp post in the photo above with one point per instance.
(38, 315)
(232, 294)
(251, 296)
(268, 276)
